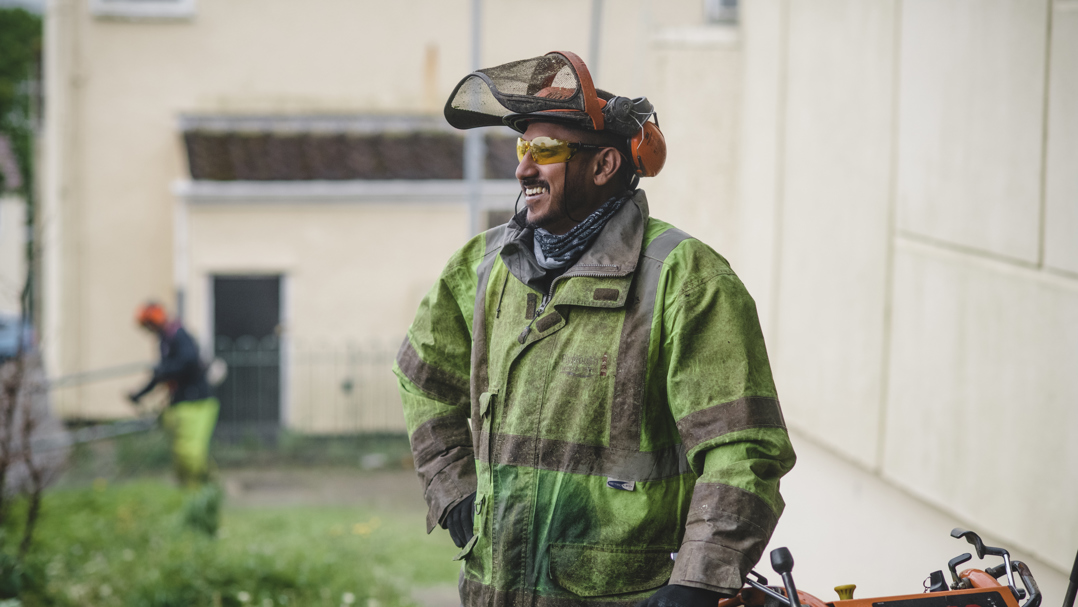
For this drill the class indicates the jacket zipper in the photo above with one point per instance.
(550, 295)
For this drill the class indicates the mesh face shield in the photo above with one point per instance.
(555, 87)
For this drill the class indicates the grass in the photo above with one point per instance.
(126, 543)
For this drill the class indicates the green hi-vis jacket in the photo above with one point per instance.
(625, 414)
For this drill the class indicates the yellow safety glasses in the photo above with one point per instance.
(547, 150)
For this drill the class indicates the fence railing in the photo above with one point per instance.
(307, 387)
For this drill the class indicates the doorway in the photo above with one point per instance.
(246, 321)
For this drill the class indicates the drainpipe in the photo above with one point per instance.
(475, 147)
(593, 44)
(180, 252)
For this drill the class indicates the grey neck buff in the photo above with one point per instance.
(554, 251)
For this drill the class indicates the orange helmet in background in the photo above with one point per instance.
(151, 314)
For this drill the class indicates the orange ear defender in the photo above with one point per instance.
(648, 149)
(646, 145)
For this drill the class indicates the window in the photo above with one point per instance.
(143, 9)
(720, 11)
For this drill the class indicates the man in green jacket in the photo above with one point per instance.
(587, 391)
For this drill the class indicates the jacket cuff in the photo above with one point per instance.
(726, 532)
(448, 488)
(711, 567)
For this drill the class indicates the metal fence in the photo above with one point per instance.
(307, 388)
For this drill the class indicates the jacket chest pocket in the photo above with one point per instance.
(581, 375)
(561, 386)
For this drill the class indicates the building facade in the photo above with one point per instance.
(280, 174)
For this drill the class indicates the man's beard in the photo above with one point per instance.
(564, 206)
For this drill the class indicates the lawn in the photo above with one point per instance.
(125, 543)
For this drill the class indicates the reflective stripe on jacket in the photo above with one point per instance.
(626, 413)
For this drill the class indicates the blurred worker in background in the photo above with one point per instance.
(192, 412)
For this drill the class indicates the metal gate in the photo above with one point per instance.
(326, 389)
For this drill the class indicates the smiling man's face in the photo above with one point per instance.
(551, 189)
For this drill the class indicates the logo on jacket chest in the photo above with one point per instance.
(585, 366)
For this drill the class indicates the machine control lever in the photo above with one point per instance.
(957, 583)
(783, 564)
(982, 550)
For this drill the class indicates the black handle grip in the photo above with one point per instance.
(782, 561)
(975, 539)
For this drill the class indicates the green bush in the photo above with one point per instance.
(10, 576)
(202, 512)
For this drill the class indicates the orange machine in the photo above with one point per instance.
(969, 588)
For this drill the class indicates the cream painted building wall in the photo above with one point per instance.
(355, 259)
(118, 86)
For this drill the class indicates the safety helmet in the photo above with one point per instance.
(151, 314)
(557, 87)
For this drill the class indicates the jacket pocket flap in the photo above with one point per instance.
(484, 402)
(589, 571)
(467, 549)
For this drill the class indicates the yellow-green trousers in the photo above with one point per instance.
(190, 426)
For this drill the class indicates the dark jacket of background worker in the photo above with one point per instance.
(180, 365)
(192, 413)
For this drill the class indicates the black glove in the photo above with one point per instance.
(459, 521)
(675, 595)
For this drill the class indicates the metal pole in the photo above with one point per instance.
(180, 254)
(596, 31)
(82, 377)
(475, 147)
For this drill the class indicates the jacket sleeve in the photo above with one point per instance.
(723, 399)
(181, 361)
(150, 385)
(433, 372)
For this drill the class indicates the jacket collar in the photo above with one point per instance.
(615, 251)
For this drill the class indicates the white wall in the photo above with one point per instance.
(831, 235)
(700, 119)
(1061, 178)
(907, 178)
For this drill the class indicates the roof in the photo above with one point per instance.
(298, 148)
